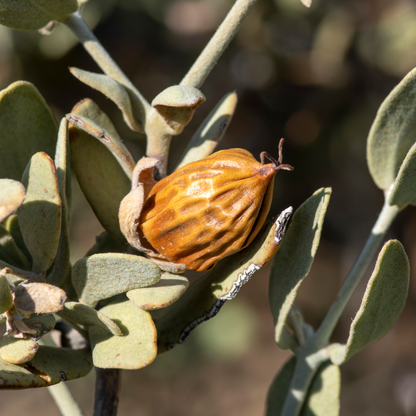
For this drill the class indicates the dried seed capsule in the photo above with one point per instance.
(209, 209)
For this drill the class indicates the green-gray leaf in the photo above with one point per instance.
(211, 131)
(27, 126)
(61, 264)
(17, 351)
(114, 91)
(34, 14)
(393, 132)
(166, 291)
(6, 298)
(80, 314)
(280, 388)
(294, 258)
(324, 392)
(40, 214)
(12, 226)
(12, 194)
(206, 296)
(104, 275)
(403, 191)
(99, 175)
(383, 300)
(10, 252)
(135, 349)
(14, 376)
(42, 323)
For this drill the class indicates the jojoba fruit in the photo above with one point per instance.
(211, 208)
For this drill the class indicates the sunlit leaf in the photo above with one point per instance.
(294, 258)
(17, 351)
(136, 348)
(104, 275)
(12, 194)
(27, 126)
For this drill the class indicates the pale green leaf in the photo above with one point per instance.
(17, 351)
(34, 14)
(61, 264)
(60, 364)
(324, 392)
(14, 376)
(166, 291)
(42, 324)
(177, 104)
(295, 257)
(111, 141)
(40, 214)
(80, 314)
(6, 298)
(136, 348)
(104, 275)
(211, 131)
(27, 126)
(393, 132)
(403, 191)
(12, 226)
(280, 388)
(99, 175)
(383, 300)
(12, 194)
(114, 91)
(10, 252)
(206, 296)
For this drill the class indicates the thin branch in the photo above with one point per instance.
(107, 385)
(65, 400)
(218, 43)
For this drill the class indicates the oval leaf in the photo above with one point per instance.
(392, 133)
(135, 349)
(12, 226)
(6, 298)
(166, 291)
(324, 392)
(205, 297)
(40, 214)
(61, 264)
(104, 275)
(27, 126)
(42, 324)
(114, 91)
(80, 314)
(383, 300)
(403, 191)
(12, 194)
(10, 252)
(295, 257)
(280, 388)
(13, 376)
(99, 175)
(211, 131)
(17, 351)
(33, 15)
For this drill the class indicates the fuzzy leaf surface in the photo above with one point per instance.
(34, 14)
(166, 291)
(6, 298)
(383, 300)
(42, 324)
(206, 296)
(10, 252)
(392, 133)
(12, 226)
(295, 257)
(104, 275)
(17, 351)
(100, 176)
(324, 392)
(136, 348)
(280, 388)
(40, 214)
(12, 194)
(27, 126)
(80, 314)
(61, 264)
(403, 191)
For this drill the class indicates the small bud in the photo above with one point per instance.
(204, 211)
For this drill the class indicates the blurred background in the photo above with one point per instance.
(313, 76)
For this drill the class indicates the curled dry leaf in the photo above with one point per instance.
(38, 298)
